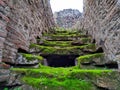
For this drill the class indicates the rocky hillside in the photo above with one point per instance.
(67, 18)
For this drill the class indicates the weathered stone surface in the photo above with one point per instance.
(22, 62)
(4, 66)
(102, 21)
(13, 80)
(4, 78)
(21, 22)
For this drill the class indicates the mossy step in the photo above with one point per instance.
(90, 59)
(63, 38)
(66, 36)
(67, 78)
(66, 31)
(31, 57)
(55, 43)
(51, 72)
(82, 41)
(75, 50)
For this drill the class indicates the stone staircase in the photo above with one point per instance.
(69, 43)
(68, 60)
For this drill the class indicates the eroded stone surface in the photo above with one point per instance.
(21, 22)
(101, 20)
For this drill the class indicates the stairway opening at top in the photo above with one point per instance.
(66, 12)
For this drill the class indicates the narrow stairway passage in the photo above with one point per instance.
(68, 60)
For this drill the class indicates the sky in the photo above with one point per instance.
(58, 5)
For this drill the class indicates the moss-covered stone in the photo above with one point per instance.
(32, 57)
(67, 35)
(62, 30)
(89, 58)
(64, 37)
(82, 41)
(57, 50)
(89, 47)
(56, 43)
(65, 78)
(72, 78)
(75, 50)
(86, 40)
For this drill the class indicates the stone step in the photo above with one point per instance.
(96, 60)
(28, 60)
(99, 78)
(90, 59)
(66, 32)
(64, 37)
(55, 43)
(80, 42)
(75, 50)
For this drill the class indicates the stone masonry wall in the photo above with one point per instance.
(102, 21)
(21, 21)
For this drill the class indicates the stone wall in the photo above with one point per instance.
(102, 21)
(21, 22)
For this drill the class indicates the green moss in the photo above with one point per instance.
(62, 36)
(60, 73)
(53, 84)
(57, 43)
(43, 49)
(57, 50)
(77, 50)
(91, 47)
(62, 30)
(86, 40)
(63, 43)
(30, 57)
(67, 78)
(88, 58)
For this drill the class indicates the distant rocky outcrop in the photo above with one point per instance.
(67, 18)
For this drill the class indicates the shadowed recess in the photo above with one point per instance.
(60, 60)
(20, 50)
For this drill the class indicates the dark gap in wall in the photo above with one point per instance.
(99, 50)
(20, 50)
(60, 60)
(110, 65)
(93, 41)
(21, 65)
